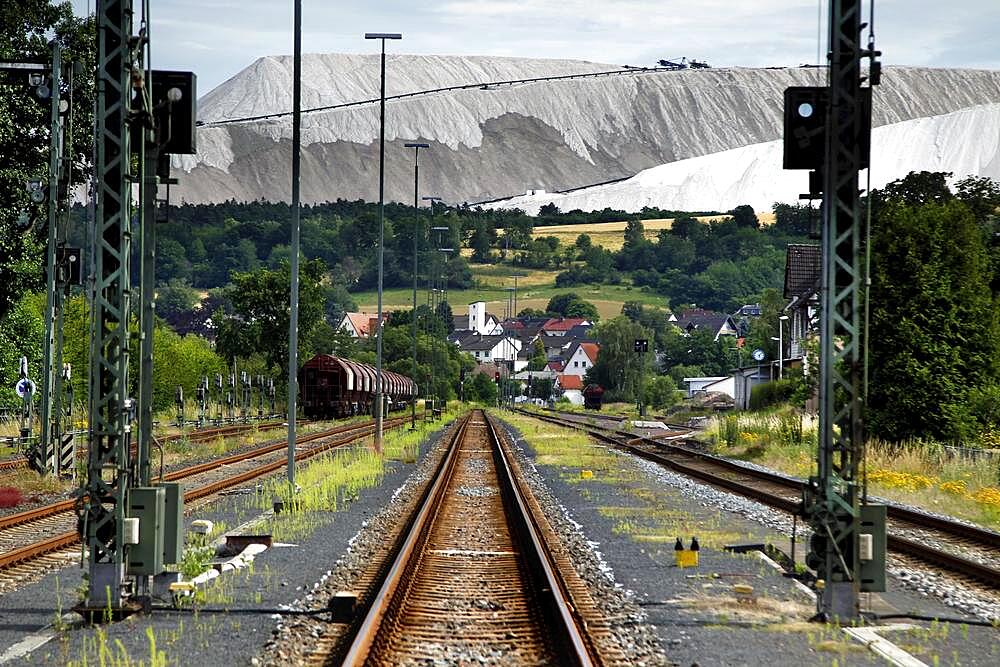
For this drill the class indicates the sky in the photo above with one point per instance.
(218, 38)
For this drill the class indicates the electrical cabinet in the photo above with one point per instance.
(873, 570)
(173, 522)
(148, 505)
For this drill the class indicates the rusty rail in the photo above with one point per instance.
(786, 492)
(69, 538)
(441, 560)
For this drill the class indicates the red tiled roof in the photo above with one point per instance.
(556, 366)
(571, 382)
(562, 324)
(591, 350)
(364, 323)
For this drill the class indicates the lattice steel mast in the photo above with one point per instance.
(109, 470)
(832, 505)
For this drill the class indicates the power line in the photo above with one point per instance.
(418, 93)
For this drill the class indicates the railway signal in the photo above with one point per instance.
(847, 549)
(641, 346)
(45, 81)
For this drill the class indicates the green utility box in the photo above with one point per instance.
(173, 523)
(872, 548)
(148, 505)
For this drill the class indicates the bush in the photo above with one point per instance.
(771, 393)
(984, 404)
(661, 392)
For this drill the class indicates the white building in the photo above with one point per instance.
(478, 321)
(581, 357)
(722, 384)
(489, 349)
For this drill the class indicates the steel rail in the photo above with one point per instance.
(535, 552)
(367, 632)
(64, 505)
(564, 608)
(670, 458)
(198, 435)
(69, 538)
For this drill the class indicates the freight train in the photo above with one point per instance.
(333, 387)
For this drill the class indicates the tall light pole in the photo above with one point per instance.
(513, 313)
(381, 236)
(435, 299)
(416, 225)
(444, 299)
(293, 321)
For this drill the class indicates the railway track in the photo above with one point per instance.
(19, 462)
(475, 573)
(960, 548)
(37, 535)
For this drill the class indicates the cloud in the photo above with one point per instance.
(217, 38)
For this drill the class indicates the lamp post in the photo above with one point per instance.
(382, 36)
(416, 225)
(437, 295)
(293, 320)
(513, 313)
(444, 299)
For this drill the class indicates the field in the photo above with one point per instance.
(610, 235)
(535, 287)
(608, 299)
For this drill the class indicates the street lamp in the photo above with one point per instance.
(293, 315)
(444, 296)
(416, 224)
(381, 236)
(513, 313)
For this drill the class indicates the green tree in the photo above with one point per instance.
(699, 348)
(618, 366)
(482, 241)
(180, 362)
(174, 299)
(538, 357)
(482, 389)
(660, 391)
(744, 216)
(21, 332)
(934, 326)
(260, 319)
(25, 31)
(632, 310)
(570, 305)
(765, 327)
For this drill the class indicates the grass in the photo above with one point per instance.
(918, 473)
(649, 517)
(608, 299)
(332, 480)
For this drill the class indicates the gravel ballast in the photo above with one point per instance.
(705, 630)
